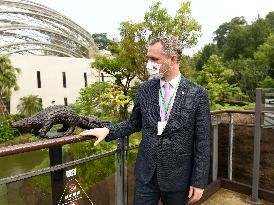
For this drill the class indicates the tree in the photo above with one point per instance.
(186, 67)
(8, 77)
(222, 32)
(100, 99)
(214, 77)
(247, 74)
(101, 40)
(265, 55)
(270, 18)
(29, 105)
(159, 22)
(243, 41)
(204, 55)
(113, 99)
(89, 99)
(268, 82)
(129, 59)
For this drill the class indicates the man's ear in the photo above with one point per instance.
(174, 59)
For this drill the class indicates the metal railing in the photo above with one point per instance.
(56, 165)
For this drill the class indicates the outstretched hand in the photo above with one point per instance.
(195, 194)
(99, 133)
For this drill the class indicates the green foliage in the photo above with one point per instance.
(237, 44)
(268, 82)
(214, 77)
(270, 18)
(6, 131)
(245, 49)
(243, 41)
(101, 40)
(224, 29)
(43, 181)
(248, 74)
(217, 106)
(93, 172)
(186, 68)
(29, 105)
(265, 55)
(159, 22)
(112, 67)
(97, 99)
(129, 58)
(8, 76)
(200, 58)
(21, 139)
(112, 101)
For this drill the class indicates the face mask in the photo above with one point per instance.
(154, 70)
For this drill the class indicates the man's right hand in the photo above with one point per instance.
(100, 133)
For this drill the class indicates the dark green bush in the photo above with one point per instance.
(6, 131)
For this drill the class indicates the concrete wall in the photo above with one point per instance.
(51, 68)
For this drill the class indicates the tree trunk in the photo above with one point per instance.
(3, 107)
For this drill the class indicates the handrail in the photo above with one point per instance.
(121, 148)
(232, 111)
(30, 174)
(47, 143)
(41, 144)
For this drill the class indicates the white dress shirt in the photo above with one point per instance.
(173, 88)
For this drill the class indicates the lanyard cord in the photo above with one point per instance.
(166, 107)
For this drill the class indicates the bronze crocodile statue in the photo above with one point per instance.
(41, 122)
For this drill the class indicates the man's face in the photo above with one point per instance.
(156, 54)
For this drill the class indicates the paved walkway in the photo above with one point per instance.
(227, 197)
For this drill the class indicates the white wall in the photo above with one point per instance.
(51, 68)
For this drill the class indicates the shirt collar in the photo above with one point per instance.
(172, 82)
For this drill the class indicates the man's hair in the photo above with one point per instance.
(171, 45)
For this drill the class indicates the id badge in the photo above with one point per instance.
(161, 126)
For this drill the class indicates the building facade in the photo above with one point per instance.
(56, 80)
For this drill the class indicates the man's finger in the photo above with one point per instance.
(190, 193)
(97, 141)
(88, 132)
(84, 132)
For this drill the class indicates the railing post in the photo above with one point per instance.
(257, 143)
(121, 188)
(57, 180)
(230, 151)
(215, 148)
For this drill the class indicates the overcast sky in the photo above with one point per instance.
(104, 16)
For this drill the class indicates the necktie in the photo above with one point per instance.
(167, 93)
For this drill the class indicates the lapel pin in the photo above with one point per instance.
(183, 93)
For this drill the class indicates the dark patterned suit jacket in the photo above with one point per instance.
(181, 152)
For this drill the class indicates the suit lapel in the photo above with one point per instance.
(154, 103)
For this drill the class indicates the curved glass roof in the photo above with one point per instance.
(30, 28)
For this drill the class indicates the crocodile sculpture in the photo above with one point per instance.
(41, 122)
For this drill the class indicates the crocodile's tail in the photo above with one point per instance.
(91, 122)
(24, 123)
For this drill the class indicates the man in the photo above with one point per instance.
(174, 116)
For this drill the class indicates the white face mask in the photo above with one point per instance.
(154, 70)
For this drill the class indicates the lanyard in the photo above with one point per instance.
(166, 107)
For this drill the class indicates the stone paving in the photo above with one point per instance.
(227, 197)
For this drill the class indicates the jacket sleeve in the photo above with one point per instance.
(126, 128)
(200, 170)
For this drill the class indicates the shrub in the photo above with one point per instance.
(6, 131)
